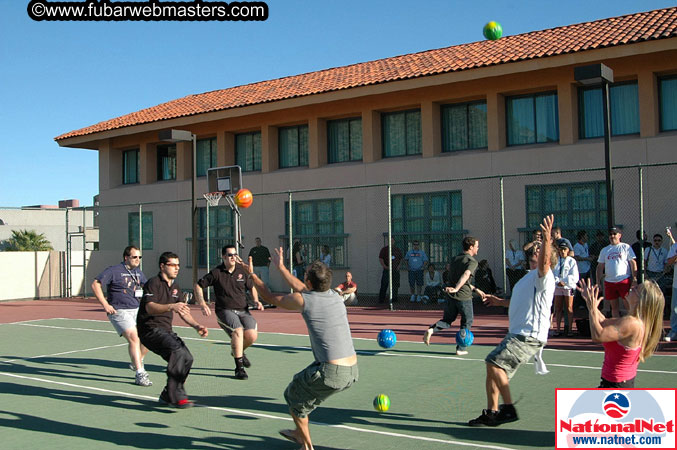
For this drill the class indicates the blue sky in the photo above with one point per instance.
(60, 76)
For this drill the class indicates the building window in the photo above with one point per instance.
(624, 111)
(464, 126)
(206, 155)
(147, 229)
(130, 166)
(532, 119)
(577, 206)
(317, 223)
(220, 233)
(401, 133)
(293, 146)
(344, 140)
(248, 151)
(667, 97)
(435, 219)
(166, 162)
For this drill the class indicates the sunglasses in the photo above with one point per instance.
(135, 257)
(230, 255)
(172, 265)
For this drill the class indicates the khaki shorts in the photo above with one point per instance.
(316, 383)
(232, 319)
(123, 319)
(513, 351)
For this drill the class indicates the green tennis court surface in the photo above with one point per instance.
(66, 384)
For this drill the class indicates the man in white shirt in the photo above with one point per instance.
(654, 258)
(617, 262)
(529, 321)
(584, 261)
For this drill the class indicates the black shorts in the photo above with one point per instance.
(232, 319)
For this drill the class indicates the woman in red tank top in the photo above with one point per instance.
(627, 340)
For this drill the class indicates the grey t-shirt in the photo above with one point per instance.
(459, 265)
(327, 321)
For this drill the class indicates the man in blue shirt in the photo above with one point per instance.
(416, 260)
(124, 284)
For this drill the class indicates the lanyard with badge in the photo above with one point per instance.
(138, 290)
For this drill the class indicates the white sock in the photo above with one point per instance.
(140, 370)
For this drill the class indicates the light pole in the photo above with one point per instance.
(596, 74)
(187, 136)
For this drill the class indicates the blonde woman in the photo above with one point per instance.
(566, 277)
(627, 340)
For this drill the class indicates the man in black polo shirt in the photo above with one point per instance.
(232, 313)
(261, 257)
(161, 299)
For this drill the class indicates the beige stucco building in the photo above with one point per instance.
(472, 113)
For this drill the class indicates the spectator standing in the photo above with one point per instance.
(484, 278)
(638, 247)
(672, 261)
(299, 262)
(583, 260)
(396, 257)
(557, 235)
(616, 270)
(595, 249)
(566, 278)
(514, 263)
(325, 256)
(261, 258)
(655, 258)
(416, 261)
(536, 239)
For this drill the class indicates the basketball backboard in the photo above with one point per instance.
(227, 179)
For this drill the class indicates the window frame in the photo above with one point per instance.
(213, 151)
(581, 109)
(661, 79)
(533, 96)
(253, 150)
(384, 116)
(300, 150)
(168, 149)
(443, 123)
(132, 236)
(349, 121)
(124, 166)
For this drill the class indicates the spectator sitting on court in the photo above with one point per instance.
(335, 366)
(529, 321)
(325, 256)
(162, 297)
(348, 290)
(124, 286)
(484, 278)
(230, 284)
(432, 284)
(655, 257)
(416, 261)
(261, 258)
(446, 275)
(514, 264)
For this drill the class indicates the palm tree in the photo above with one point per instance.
(27, 241)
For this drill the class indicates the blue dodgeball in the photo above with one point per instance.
(386, 338)
(464, 338)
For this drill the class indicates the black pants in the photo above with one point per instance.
(606, 384)
(179, 360)
(384, 285)
(451, 311)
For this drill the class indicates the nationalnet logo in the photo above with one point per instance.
(615, 418)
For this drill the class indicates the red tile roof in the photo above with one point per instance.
(633, 28)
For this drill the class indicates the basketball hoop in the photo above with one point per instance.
(213, 198)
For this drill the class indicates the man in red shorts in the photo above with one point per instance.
(617, 263)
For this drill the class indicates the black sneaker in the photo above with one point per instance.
(164, 397)
(241, 374)
(245, 361)
(487, 419)
(506, 414)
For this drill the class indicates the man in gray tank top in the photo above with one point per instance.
(335, 365)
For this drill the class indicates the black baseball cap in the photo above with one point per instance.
(615, 230)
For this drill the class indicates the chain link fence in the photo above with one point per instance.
(349, 226)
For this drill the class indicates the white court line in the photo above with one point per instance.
(264, 416)
(62, 353)
(363, 352)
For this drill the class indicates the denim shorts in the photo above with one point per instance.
(123, 319)
(513, 351)
(316, 383)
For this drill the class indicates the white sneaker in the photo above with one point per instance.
(426, 337)
(413, 298)
(461, 352)
(418, 299)
(667, 339)
(142, 379)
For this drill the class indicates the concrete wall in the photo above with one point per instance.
(50, 222)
